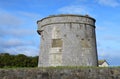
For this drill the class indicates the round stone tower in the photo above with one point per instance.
(67, 40)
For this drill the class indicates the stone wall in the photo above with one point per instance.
(60, 73)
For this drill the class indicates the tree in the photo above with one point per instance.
(20, 60)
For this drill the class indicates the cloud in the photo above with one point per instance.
(111, 38)
(100, 28)
(15, 24)
(29, 51)
(8, 19)
(34, 16)
(74, 9)
(110, 54)
(108, 43)
(19, 46)
(112, 3)
(108, 34)
(17, 32)
(17, 18)
(11, 43)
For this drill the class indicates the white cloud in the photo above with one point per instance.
(29, 51)
(74, 9)
(14, 42)
(17, 18)
(19, 24)
(108, 43)
(8, 19)
(100, 28)
(17, 33)
(109, 54)
(19, 46)
(111, 38)
(112, 3)
(29, 14)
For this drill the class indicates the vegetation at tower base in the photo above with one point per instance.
(20, 60)
(61, 73)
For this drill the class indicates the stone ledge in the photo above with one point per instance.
(61, 73)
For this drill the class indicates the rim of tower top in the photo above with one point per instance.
(62, 15)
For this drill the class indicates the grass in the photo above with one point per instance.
(68, 67)
(61, 67)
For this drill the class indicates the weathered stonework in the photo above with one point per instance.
(60, 73)
(67, 40)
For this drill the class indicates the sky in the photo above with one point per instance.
(18, 24)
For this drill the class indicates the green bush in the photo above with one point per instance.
(20, 60)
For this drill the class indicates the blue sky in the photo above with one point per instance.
(18, 24)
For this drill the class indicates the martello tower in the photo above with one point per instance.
(67, 40)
